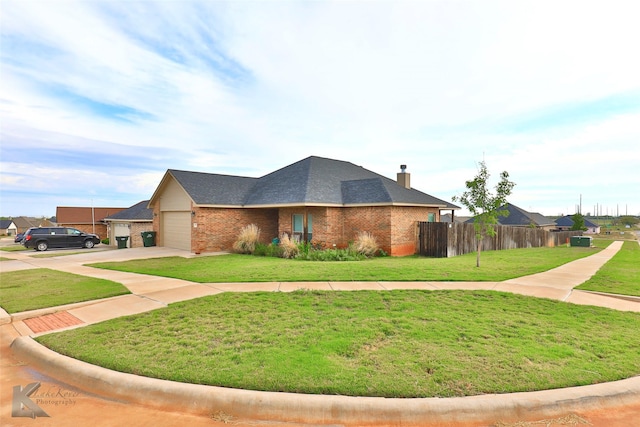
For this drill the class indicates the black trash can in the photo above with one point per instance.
(148, 238)
(122, 241)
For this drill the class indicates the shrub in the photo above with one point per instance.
(247, 240)
(332, 255)
(365, 244)
(105, 241)
(268, 250)
(289, 248)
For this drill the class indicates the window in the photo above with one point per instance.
(298, 226)
(432, 217)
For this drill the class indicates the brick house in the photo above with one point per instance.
(131, 223)
(8, 227)
(87, 219)
(315, 199)
(566, 223)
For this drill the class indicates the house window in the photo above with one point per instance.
(298, 231)
(431, 217)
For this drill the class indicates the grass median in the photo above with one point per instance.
(620, 275)
(25, 290)
(367, 343)
(496, 266)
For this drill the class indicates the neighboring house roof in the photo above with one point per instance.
(314, 181)
(456, 218)
(567, 221)
(5, 223)
(83, 215)
(137, 212)
(24, 223)
(519, 217)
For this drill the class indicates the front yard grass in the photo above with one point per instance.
(495, 266)
(14, 248)
(367, 343)
(620, 275)
(40, 288)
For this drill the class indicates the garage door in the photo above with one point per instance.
(176, 230)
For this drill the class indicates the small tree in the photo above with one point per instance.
(629, 220)
(484, 206)
(578, 223)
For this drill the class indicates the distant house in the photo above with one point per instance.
(87, 219)
(130, 222)
(456, 218)
(315, 199)
(518, 217)
(23, 223)
(566, 222)
(8, 227)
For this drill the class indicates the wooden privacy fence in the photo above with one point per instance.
(443, 239)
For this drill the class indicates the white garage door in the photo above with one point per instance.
(176, 230)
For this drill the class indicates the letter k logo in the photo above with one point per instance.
(22, 406)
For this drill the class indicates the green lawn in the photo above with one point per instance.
(13, 248)
(367, 343)
(40, 288)
(495, 266)
(621, 275)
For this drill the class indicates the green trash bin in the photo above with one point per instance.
(581, 241)
(122, 241)
(148, 238)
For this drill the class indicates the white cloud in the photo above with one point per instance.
(247, 88)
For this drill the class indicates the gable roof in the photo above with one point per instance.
(519, 217)
(567, 221)
(83, 215)
(314, 181)
(5, 223)
(137, 212)
(22, 222)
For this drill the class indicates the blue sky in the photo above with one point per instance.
(100, 98)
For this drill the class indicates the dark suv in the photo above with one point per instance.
(42, 238)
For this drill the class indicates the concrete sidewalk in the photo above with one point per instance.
(150, 292)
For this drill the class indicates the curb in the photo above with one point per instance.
(22, 315)
(631, 298)
(350, 411)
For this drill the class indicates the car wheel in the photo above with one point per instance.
(88, 244)
(42, 246)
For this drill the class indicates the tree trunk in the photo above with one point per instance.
(478, 253)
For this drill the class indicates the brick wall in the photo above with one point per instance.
(404, 228)
(135, 239)
(375, 220)
(219, 228)
(395, 228)
(101, 229)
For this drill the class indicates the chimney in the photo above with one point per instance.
(404, 178)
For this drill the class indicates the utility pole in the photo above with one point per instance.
(580, 212)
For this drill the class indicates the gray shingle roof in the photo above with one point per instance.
(138, 212)
(214, 189)
(311, 181)
(567, 221)
(5, 223)
(520, 217)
